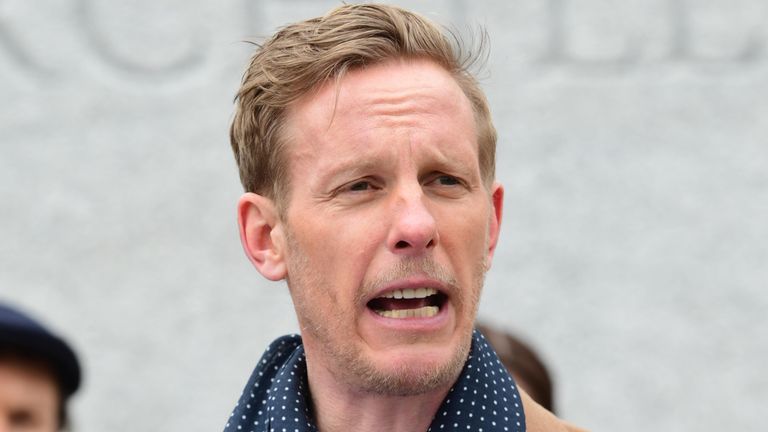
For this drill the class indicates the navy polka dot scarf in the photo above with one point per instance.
(276, 398)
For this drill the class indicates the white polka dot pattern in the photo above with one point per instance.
(276, 398)
(485, 397)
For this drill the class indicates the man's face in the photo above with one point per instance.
(28, 397)
(389, 229)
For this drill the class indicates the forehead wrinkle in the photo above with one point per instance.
(408, 105)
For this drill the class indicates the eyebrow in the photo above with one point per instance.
(348, 167)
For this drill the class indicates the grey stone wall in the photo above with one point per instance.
(633, 146)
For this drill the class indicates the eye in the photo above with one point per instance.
(357, 191)
(446, 185)
(447, 180)
(360, 186)
(444, 180)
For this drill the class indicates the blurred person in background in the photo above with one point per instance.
(39, 372)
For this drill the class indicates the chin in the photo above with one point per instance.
(414, 371)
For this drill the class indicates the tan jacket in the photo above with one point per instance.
(538, 419)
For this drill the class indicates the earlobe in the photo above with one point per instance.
(494, 224)
(261, 235)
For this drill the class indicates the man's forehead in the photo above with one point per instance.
(387, 88)
(352, 125)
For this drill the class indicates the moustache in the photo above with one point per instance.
(407, 267)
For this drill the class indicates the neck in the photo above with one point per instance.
(338, 407)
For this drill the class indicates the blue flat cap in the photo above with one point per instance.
(20, 332)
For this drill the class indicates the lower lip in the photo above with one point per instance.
(414, 324)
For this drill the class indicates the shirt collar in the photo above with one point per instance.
(276, 398)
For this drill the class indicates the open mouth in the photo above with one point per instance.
(408, 303)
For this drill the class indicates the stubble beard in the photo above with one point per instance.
(347, 361)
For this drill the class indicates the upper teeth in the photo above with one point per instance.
(409, 293)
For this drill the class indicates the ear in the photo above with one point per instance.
(494, 223)
(262, 236)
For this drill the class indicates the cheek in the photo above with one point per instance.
(341, 244)
(341, 251)
(467, 231)
(464, 239)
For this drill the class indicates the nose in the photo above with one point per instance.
(414, 229)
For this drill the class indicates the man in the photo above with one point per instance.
(367, 153)
(38, 374)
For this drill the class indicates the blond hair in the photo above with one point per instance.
(305, 55)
